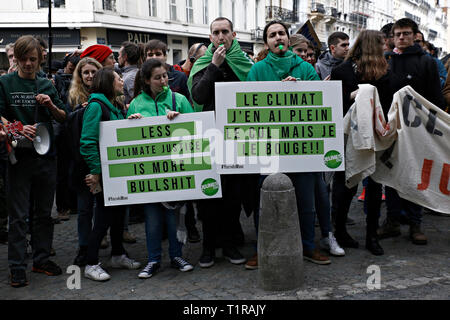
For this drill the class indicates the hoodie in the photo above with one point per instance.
(277, 68)
(326, 63)
(90, 134)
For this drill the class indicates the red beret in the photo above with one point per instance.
(98, 51)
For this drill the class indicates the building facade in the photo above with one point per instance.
(352, 16)
(81, 23)
(180, 23)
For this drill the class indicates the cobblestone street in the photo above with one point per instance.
(408, 271)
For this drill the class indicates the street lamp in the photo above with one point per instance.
(50, 39)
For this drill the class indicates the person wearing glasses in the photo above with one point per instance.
(414, 67)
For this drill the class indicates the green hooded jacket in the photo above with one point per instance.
(90, 134)
(147, 107)
(277, 68)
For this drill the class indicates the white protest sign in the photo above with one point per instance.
(269, 127)
(158, 160)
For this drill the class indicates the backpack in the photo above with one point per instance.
(75, 125)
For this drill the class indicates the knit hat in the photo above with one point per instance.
(98, 51)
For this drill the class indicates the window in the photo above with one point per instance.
(152, 8)
(56, 3)
(205, 12)
(189, 11)
(173, 9)
(109, 5)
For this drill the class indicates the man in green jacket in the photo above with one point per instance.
(281, 64)
(27, 98)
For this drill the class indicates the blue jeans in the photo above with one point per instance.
(155, 213)
(322, 202)
(85, 205)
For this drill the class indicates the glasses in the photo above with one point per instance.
(405, 33)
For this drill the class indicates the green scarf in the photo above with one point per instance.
(282, 65)
(238, 61)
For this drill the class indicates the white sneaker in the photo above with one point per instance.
(123, 262)
(96, 273)
(331, 245)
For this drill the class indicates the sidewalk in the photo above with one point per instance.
(407, 271)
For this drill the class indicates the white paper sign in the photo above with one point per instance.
(157, 160)
(270, 127)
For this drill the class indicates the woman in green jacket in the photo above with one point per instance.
(154, 98)
(102, 102)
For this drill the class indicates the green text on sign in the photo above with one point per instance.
(159, 167)
(156, 131)
(265, 132)
(280, 148)
(158, 149)
(279, 115)
(280, 99)
(161, 184)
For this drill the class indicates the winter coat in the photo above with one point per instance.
(203, 84)
(178, 82)
(326, 63)
(416, 68)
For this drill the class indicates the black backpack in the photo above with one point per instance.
(75, 125)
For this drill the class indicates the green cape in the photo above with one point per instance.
(238, 61)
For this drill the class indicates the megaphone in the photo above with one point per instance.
(41, 141)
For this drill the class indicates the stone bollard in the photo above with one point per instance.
(280, 250)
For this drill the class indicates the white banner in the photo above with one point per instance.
(158, 160)
(410, 153)
(269, 127)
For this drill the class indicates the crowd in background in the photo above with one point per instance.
(91, 85)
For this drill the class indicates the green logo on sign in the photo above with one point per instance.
(210, 187)
(333, 159)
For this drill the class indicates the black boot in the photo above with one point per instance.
(373, 246)
(344, 240)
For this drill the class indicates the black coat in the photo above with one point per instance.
(419, 70)
(203, 84)
(178, 82)
(351, 79)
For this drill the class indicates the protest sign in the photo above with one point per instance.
(411, 154)
(158, 160)
(269, 127)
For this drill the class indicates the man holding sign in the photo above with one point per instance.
(282, 64)
(224, 61)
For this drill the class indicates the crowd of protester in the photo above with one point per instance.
(90, 86)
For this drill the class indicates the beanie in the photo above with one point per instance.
(98, 51)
